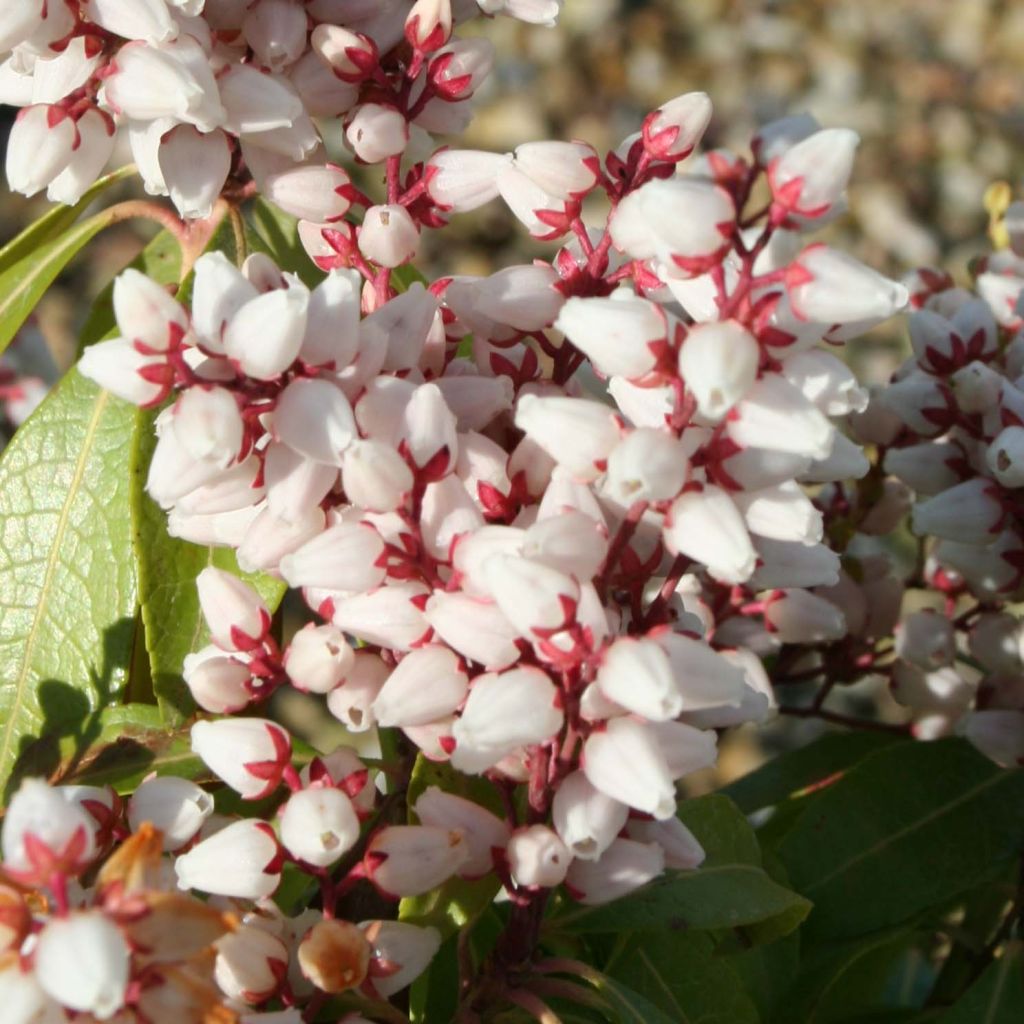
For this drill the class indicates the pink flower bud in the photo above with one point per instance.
(83, 962)
(120, 368)
(457, 70)
(626, 763)
(774, 414)
(428, 25)
(783, 512)
(335, 956)
(484, 832)
(718, 362)
(829, 286)
(585, 818)
(314, 417)
(680, 846)
(799, 617)
(706, 525)
(623, 335)
(533, 597)
(474, 628)
(236, 615)
(390, 616)
(39, 147)
(218, 683)
(41, 827)
(269, 537)
(408, 860)
(249, 754)
(376, 132)
(146, 314)
(177, 807)
(318, 658)
(352, 702)
(242, 861)
(578, 433)
(428, 684)
(428, 432)
(461, 180)
(375, 477)
(351, 56)
(251, 964)
(347, 557)
(90, 156)
(808, 178)
(311, 193)
(505, 711)
(264, 337)
(388, 236)
(625, 866)
(276, 32)
(406, 947)
(537, 858)
(969, 513)
(674, 130)
(194, 167)
(544, 215)
(684, 223)
(566, 170)
(319, 825)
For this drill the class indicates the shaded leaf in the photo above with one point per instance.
(930, 819)
(67, 583)
(997, 997)
(812, 765)
(279, 234)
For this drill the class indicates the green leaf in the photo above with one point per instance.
(167, 571)
(67, 583)
(997, 997)
(631, 1007)
(279, 234)
(908, 828)
(456, 904)
(730, 890)
(434, 995)
(56, 221)
(23, 283)
(681, 976)
(810, 766)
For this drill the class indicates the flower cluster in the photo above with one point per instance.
(220, 93)
(558, 507)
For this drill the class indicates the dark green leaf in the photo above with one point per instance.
(908, 828)
(56, 221)
(794, 772)
(278, 232)
(997, 997)
(730, 890)
(434, 995)
(67, 582)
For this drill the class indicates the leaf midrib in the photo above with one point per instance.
(52, 562)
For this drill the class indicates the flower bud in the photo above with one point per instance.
(119, 367)
(251, 964)
(294, 483)
(537, 858)
(457, 71)
(18, 22)
(808, 178)
(428, 432)
(927, 468)
(680, 846)
(626, 763)
(718, 363)
(242, 861)
(1005, 457)
(674, 130)
(799, 617)
(347, 557)
(264, 337)
(573, 543)
(352, 702)
(39, 147)
(637, 675)
(428, 684)
(475, 628)
(925, 639)
(83, 962)
(235, 614)
(566, 170)
(646, 465)
(535, 598)
(314, 417)
(794, 564)
(428, 25)
(781, 513)
(996, 640)
(318, 825)
(207, 424)
(389, 236)
(146, 314)
(706, 525)
(484, 832)
(505, 711)
(276, 32)
(376, 132)
(335, 956)
(585, 818)
(406, 947)
(249, 754)
(318, 658)
(176, 807)
(578, 433)
(351, 56)
(625, 866)
(218, 683)
(311, 193)
(999, 735)
(544, 215)
(969, 513)
(409, 860)
(390, 616)
(461, 180)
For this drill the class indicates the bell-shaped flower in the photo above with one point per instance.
(374, 476)
(95, 146)
(318, 658)
(427, 684)
(428, 25)
(428, 432)
(276, 31)
(637, 675)
(39, 147)
(568, 170)
(148, 20)
(544, 215)
(242, 861)
(314, 417)
(346, 557)
(249, 754)
(781, 513)
(257, 102)
(1005, 457)
(682, 849)
(208, 425)
(505, 711)
(625, 762)
(718, 363)
(800, 617)
(705, 525)
(390, 616)
(350, 55)
(809, 177)
(573, 543)
(623, 335)
(264, 337)
(176, 807)
(484, 832)
(194, 167)
(774, 414)
(334, 955)
(475, 628)
(388, 236)
(969, 513)
(18, 22)
(535, 598)
(925, 639)
(409, 860)
(376, 132)
(352, 703)
(674, 130)
(83, 962)
(578, 433)
(251, 964)
(407, 949)
(293, 482)
(646, 465)
(235, 614)
(119, 367)
(461, 180)
(793, 564)
(319, 825)
(537, 857)
(829, 286)
(998, 734)
(586, 819)
(217, 682)
(625, 866)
